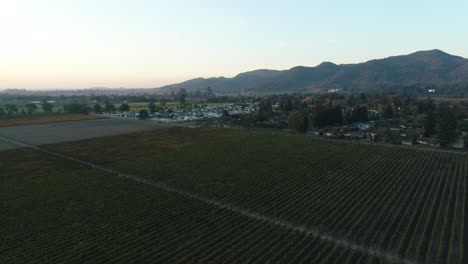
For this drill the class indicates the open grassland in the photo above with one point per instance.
(43, 119)
(136, 106)
(58, 211)
(398, 200)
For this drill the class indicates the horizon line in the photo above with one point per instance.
(222, 76)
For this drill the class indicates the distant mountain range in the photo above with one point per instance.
(422, 68)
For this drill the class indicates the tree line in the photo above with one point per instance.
(31, 108)
(440, 121)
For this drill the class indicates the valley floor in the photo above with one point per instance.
(205, 195)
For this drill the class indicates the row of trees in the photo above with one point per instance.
(86, 109)
(181, 95)
(108, 107)
(74, 108)
(12, 109)
(447, 125)
(77, 104)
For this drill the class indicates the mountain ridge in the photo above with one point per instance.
(423, 68)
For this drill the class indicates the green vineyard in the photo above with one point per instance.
(229, 196)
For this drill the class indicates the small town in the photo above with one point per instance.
(391, 119)
(179, 114)
(414, 123)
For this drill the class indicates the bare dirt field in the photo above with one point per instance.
(43, 119)
(71, 131)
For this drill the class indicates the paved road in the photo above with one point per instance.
(76, 130)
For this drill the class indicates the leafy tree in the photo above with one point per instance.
(362, 98)
(265, 110)
(31, 108)
(384, 134)
(209, 93)
(97, 108)
(247, 120)
(463, 125)
(308, 100)
(426, 105)
(360, 114)
(420, 120)
(329, 116)
(46, 106)
(381, 109)
(124, 107)
(152, 107)
(2, 112)
(297, 104)
(143, 114)
(459, 111)
(306, 113)
(163, 101)
(11, 109)
(109, 107)
(351, 101)
(388, 112)
(225, 114)
(296, 121)
(182, 95)
(447, 125)
(430, 124)
(198, 94)
(289, 105)
(77, 108)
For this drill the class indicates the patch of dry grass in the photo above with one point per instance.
(44, 119)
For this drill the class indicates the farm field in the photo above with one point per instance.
(240, 196)
(43, 119)
(58, 211)
(137, 106)
(76, 130)
(409, 202)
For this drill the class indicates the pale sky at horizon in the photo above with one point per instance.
(60, 44)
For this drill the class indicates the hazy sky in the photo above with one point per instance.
(148, 43)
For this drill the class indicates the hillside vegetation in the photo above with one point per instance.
(433, 68)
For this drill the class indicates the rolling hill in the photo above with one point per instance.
(422, 68)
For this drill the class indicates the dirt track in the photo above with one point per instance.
(76, 130)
